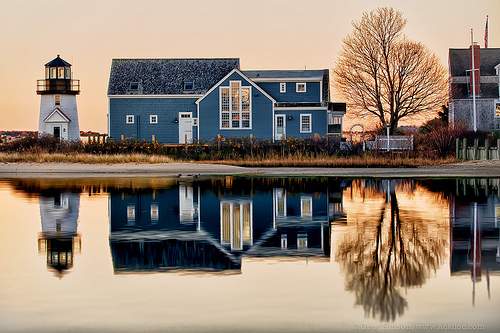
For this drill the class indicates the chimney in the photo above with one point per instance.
(477, 65)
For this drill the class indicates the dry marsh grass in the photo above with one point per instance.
(365, 161)
(82, 158)
(270, 160)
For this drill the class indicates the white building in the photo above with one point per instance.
(58, 111)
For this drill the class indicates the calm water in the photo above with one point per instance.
(249, 254)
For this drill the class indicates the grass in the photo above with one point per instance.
(82, 158)
(364, 161)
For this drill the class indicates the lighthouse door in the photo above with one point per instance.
(57, 132)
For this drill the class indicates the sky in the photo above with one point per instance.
(264, 34)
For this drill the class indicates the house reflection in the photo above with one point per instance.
(475, 237)
(209, 225)
(59, 238)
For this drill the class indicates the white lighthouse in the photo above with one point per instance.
(58, 112)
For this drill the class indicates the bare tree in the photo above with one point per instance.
(383, 74)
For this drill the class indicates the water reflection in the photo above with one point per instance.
(210, 225)
(59, 238)
(388, 248)
(387, 236)
(474, 216)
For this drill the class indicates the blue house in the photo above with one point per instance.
(178, 100)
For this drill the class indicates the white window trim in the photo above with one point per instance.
(240, 107)
(297, 87)
(130, 121)
(310, 122)
(282, 87)
(151, 119)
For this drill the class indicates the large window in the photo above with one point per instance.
(236, 223)
(235, 106)
(305, 123)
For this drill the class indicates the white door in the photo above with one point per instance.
(280, 127)
(185, 127)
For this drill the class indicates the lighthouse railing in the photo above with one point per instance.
(72, 85)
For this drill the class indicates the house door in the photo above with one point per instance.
(280, 127)
(185, 127)
(57, 132)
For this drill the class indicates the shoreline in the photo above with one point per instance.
(470, 169)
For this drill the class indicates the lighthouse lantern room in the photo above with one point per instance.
(58, 111)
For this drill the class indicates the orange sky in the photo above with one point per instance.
(264, 34)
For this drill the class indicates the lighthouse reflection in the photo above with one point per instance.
(201, 226)
(59, 238)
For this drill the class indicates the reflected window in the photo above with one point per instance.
(130, 214)
(284, 241)
(497, 110)
(280, 202)
(306, 206)
(57, 100)
(155, 212)
(236, 223)
(301, 87)
(60, 72)
(301, 241)
(186, 203)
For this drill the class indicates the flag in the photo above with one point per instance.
(486, 33)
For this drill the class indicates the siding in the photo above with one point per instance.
(312, 94)
(261, 116)
(293, 126)
(167, 109)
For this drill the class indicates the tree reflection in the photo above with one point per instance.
(386, 253)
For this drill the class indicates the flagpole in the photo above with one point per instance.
(473, 78)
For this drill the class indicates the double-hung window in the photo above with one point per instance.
(305, 123)
(283, 87)
(235, 106)
(153, 119)
(130, 119)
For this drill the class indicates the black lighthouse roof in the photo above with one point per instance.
(58, 62)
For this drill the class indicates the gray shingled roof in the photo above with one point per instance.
(275, 74)
(459, 64)
(459, 61)
(167, 76)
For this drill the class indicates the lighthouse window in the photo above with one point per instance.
(68, 73)
(60, 72)
(57, 100)
(53, 73)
